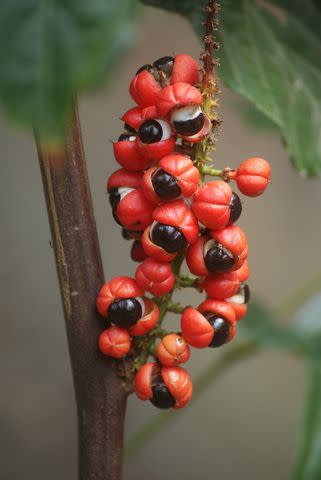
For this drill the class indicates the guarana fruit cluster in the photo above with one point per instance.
(159, 198)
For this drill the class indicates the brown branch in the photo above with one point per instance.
(211, 45)
(100, 393)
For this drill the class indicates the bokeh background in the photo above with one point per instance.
(245, 425)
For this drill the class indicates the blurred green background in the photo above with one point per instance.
(246, 425)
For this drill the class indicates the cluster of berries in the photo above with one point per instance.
(159, 199)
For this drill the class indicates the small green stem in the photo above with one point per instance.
(213, 172)
(175, 308)
(186, 281)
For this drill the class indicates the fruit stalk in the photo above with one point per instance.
(100, 393)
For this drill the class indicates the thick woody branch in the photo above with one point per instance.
(100, 393)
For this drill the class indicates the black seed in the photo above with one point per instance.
(165, 185)
(169, 238)
(123, 137)
(246, 292)
(189, 127)
(114, 198)
(161, 397)
(235, 208)
(165, 64)
(150, 131)
(125, 234)
(218, 260)
(125, 312)
(221, 329)
(147, 66)
(130, 129)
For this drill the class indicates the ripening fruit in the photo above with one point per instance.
(148, 321)
(215, 205)
(252, 176)
(172, 350)
(155, 277)
(137, 252)
(221, 285)
(211, 325)
(243, 272)
(239, 301)
(114, 342)
(164, 387)
(176, 96)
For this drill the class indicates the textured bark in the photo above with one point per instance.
(100, 392)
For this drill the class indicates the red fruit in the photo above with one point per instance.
(178, 95)
(114, 342)
(148, 320)
(233, 238)
(252, 176)
(151, 378)
(172, 350)
(155, 277)
(179, 215)
(239, 301)
(155, 251)
(134, 210)
(144, 89)
(181, 168)
(157, 150)
(118, 287)
(128, 155)
(199, 328)
(221, 285)
(204, 132)
(185, 69)
(195, 257)
(243, 272)
(123, 178)
(135, 116)
(137, 252)
(211, 204)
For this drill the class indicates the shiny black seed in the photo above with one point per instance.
(165, 185)
(125, 312)
(114, 198)
(150, 131)
(189, 127)
(123, 137)
(218, 260)
(169, 238)
(165, 64)
(129, 129)
(246, 292)
(161, 397)
(235, 208)
(221, 329)
(147, 66)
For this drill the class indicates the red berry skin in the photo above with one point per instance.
(176, 379)
(221, 308)
(240, 310)
(172, 350)
(157, 150)
(135, 116)
(134, 211)
(155, 277)
(153, 250)
(179, 384)
(148, 321)
(144, 89)
(175, 96)
(195, 257)
(124, 178)
(128, 156)
(252, 176)
(221, 285)
(114, 342)
(179, 166)
(118, 287)
(233, 238)
(177, 214)
(137, 252)
(185, 69)
(211, 204)
(243, 272)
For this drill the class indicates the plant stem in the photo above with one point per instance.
(212, 372)
(206, 170)
(100, 393)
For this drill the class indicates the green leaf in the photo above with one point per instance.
(52, 50)
(308, 319)
(308, 464)
(270, 54)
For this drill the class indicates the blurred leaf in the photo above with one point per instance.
(270, 53)
(49, 51)
(308, 318)
(308, 464)
(261, 327)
